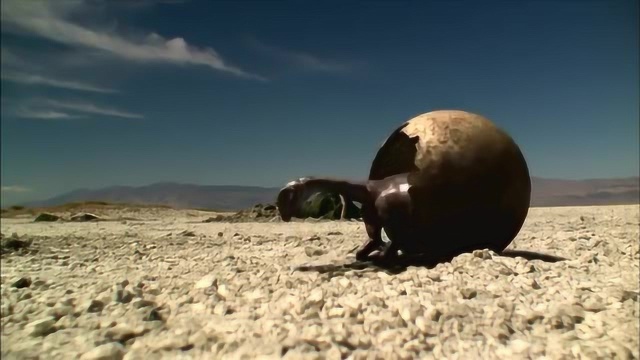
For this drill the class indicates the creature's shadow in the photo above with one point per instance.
(402, 263)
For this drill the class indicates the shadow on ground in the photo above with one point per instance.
(403, 263)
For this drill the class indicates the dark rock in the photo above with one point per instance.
(47, 217)
(153, 315)
(468, 293)
(13, 244)
(83, 217)
(23, 282)
(95, 306)
(216, 218)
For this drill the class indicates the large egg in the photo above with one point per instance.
(470, 183)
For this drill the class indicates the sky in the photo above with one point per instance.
(99, 93)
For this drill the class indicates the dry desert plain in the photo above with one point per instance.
(157, 283)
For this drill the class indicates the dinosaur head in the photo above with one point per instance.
(290, 199)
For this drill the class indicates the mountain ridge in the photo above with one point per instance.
(545, 192)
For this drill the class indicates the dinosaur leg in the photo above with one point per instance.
(387, 255)
(373, 243)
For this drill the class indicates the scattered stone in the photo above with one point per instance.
(206, 282)
(141, 303)
(187, 233)
(216, 218)
(47, 217)
(154, 315)
(250, 303)
(41, 327)
(13, 244)
(311, 251)
(123, 332)
(95, 306)
(483, 254)
(23, 282)
(84, 217)
(468, 293)
(109, 351)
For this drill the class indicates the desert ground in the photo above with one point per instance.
(159, 283)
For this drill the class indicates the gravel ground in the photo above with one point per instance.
(165, 285)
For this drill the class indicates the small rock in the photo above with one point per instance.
(594, 303)
(123, 332)
(483, 254)
(220, 234)
(21, 283)
(153, 290)
(313, 251)
(13, 244)
(535, 285)
(154, 315)
(47, 217)
(141, 303)
(187, 233)
(110, 351)
(468, 293)
(83, 217)
(66, 322)
(223, 291)
(59, 311)
(41, 327)
(206, 282)
(312, 238)
(118, 293)
(95, 306)
(519, 346)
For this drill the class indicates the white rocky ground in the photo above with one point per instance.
(143, 289)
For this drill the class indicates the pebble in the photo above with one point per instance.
(109, 351)
(141, 303)
(207, 281)
(240, 299)
(23, 282)
(123, 332)
(41, 327)
(312, 251)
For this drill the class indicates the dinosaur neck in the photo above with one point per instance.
(353, 191)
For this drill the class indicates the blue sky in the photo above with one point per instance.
(98, 93)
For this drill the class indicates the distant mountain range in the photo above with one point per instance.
(545, 192)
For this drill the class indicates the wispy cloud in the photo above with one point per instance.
(301, 59)
(15, 189)
(44, 114)
(48, 20)
(32, 79)
(93, 109)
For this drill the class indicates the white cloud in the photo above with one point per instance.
(48, 20)
(15, 189)
(44, 114)
(303, 60)
(31, 79)
(93, 109)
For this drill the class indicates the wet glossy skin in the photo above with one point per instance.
(385, 203)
